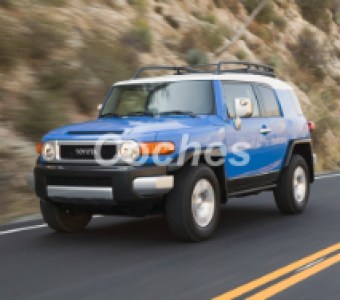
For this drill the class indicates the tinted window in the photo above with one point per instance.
(270, 105)
(296, 103)
(233, 91)
(193, 96)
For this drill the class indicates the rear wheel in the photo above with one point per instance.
(292, 192)
(63, 219)
(192, 207)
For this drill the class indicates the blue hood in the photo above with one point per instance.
(127, 127)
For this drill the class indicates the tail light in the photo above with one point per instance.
(311, 126)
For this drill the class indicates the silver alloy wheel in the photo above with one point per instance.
(203, 202)
(299, 184)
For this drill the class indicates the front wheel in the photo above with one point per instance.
(63, 219)
(292, 192)
(192, 207)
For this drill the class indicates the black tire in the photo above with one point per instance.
(61, 220)
(284, 194)
(179, 212)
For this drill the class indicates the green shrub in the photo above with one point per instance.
(309, 54)
(140, 5)
(196, 57)
(336, 17)
(53, 2)
(139, 37)
(303, 87)
(265, 16)
(207, 37)
(211, 19)
(227, 31)
(316, 12)
(274, 61)
(211, 37)
(232, 5)
(261, 31)
(280, 22)
(205, 18)
(241, 55)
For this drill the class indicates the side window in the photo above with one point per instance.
(269, 101)
(296, 103)
(233, 90)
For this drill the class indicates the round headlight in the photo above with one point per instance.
(48, 151)
(129, 151)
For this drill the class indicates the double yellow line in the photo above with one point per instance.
(288, 282)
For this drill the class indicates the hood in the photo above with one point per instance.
(127, 127)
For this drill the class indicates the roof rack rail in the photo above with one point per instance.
(187, 69)
(250, 68)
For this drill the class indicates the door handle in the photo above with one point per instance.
(265, 130)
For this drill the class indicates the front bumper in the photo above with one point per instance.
(128, 186)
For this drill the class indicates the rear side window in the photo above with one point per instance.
(269, 101)
(296, 103)
(233, 90)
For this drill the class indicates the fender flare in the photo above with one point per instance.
(308, 155)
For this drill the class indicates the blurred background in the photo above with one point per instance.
(58, 59)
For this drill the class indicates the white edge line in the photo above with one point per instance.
(22, 229)
(31, 227)
(327, 176)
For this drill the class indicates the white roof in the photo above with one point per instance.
(273, 82)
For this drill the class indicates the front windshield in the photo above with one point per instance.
(192, 96)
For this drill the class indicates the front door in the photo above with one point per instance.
(247, 148)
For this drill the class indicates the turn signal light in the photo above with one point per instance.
(311, 126)
(39, 148)
(160, 148)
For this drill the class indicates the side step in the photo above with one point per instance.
(252, 191)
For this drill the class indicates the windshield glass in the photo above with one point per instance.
(193, 96)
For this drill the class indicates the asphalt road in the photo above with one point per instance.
(131, 258)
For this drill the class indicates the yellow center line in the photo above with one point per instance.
(276, 274)
(279, 287)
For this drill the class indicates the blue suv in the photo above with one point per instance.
(179, 145)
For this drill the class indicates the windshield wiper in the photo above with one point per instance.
(141, 113)
(110, 115)
(179, 112)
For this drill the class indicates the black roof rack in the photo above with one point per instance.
(179, 70)
(250, 68)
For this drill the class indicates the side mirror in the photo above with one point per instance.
(99, 107)
(243, 109)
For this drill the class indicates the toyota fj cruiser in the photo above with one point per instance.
(179, 145)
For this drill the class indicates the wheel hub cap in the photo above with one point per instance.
(299, 181)
(203, 202)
